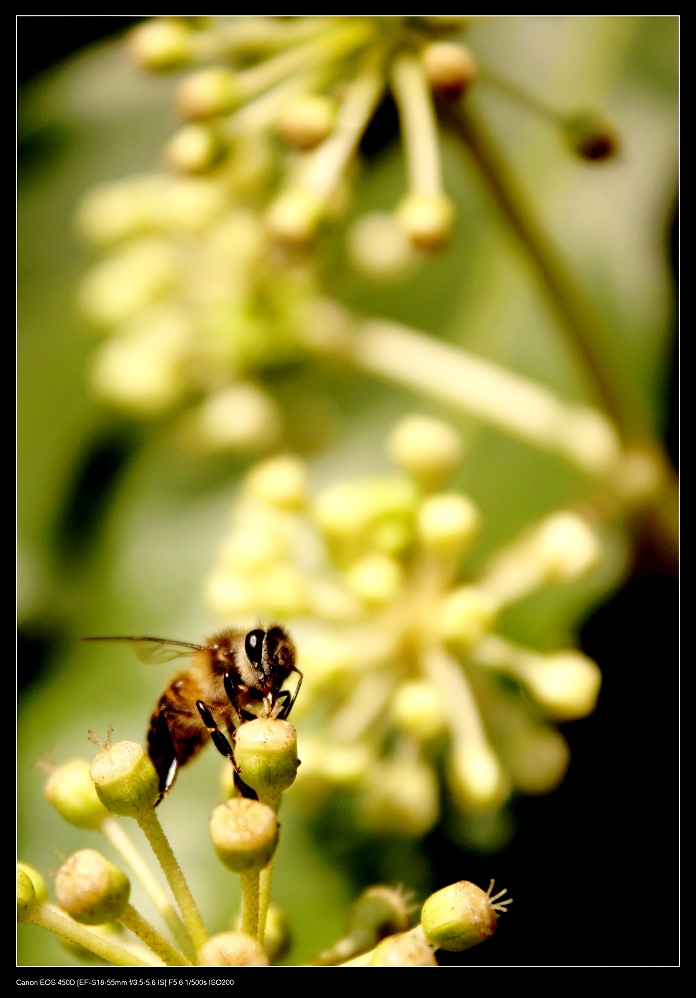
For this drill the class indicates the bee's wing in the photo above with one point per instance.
(154, 650)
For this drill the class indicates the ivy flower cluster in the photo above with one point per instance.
(419, 703)
(93, 915)
(208, 284)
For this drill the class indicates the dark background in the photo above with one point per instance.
(594, 867)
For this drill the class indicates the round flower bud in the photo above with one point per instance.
(379, 248)
(566, 547)
(460, 916)
(476, 777)
(427, 219)
(232, 949)
(401, 798)
(161, 45)
(193, 149)
(26, 895)
(92, 889)
(266, 754)
(294, 217)
(378, 912)
(238, 417)
(244, 833)
(427, 449)
(70, 789)
(405, 949)
(591, 135)
(375, 579)
(125, 779)
(281, 481)
(37, 880)
(537, 759)
(466, 614)
(447, 523)
(307, 121)
(449, 68)
(566, 684)
(417, 710)
(208, 92)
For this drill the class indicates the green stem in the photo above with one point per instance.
(657, 518)
(152, 829)
(48, 916)
(117, 836)
(153, 939)
(587, 342)
(250, 903)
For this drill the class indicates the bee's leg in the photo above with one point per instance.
(219, 740)
(224, 747)
(288, 699)
(231, 689)
(162, 752)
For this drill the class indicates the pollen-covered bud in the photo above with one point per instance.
(244, 833)
(208, 92)
(70, 789)
(307, 121)
(427, 449)
(125, 779)
(449, 68)
(266, 754)
(427, 219)
(161, 45)
(26, 895)
(92, 889)
(591, 135)
(232, 949)
(461, 915)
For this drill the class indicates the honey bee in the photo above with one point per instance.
(236, 676)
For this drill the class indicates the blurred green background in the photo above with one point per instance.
(116, 530)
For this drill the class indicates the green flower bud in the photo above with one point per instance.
(427, 449)
(161, 45)
(70, 789)
(405, 949)
(449, 68)
(379, 248)
(460, 916)
(92, 889)
(307, 121)
(417, 710)
(447, 523)
(193, 149)
(401, 798)
(276, 936)
(378, 912)
(36, 879)
(266, 753)
(466, 614)
(232, 949)
(281, 481)
(375, 579)
(591, 135)
(125, 779)
(208, 92)
(294, 217)
(244, 833)
(427, 219)
(26, 895)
